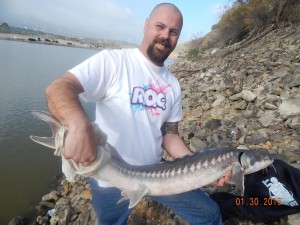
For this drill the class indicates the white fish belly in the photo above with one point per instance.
(182, 183)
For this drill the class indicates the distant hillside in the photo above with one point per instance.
(244, 21)
(4, 27)
(23, 34)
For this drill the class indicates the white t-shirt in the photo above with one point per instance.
(134, 98)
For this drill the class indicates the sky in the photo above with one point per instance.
(121, 20)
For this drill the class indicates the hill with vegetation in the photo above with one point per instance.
(244, 21)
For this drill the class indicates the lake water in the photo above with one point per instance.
(26, 168)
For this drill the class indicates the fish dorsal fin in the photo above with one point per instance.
(133, 196)
(237, 177)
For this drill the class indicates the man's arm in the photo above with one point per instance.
(64, 104)
(176, 147)
(172, 142)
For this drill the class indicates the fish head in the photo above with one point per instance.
(253, 161)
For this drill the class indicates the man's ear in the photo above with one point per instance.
(146, 24)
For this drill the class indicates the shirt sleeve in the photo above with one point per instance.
(95, 75)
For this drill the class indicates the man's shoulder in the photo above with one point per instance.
(120, 51)
(120, 54)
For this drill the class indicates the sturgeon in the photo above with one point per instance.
(165, 178)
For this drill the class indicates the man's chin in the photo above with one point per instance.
(158, 55)
(162, 53)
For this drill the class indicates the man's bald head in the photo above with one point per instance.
(164, 6)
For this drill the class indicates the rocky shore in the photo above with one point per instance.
(246, 96)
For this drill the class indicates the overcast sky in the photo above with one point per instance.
(106, 19)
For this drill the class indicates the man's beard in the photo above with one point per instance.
(157, 55)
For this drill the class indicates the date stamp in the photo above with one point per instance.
(253, 201)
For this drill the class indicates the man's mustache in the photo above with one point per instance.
(164, 42)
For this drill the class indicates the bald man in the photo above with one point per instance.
(138, 105)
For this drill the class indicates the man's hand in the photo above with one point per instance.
(80, 143)
(222, 180)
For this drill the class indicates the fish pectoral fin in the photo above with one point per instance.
(134, 196)
(46, 141)
(237, 177)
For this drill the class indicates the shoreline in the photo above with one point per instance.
(74, 42)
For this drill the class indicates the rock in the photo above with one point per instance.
(218, 101)
(196, 144)
(236, 97)
(18, 220)
(293, 122)
(267, 118)
(86, 194)
(248, 96)
(290, 107)
(294, 219)
(62, 215)
(213, 124)
(52, 196)
(63, 201)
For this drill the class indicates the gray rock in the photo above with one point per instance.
(290, 107)
(267, 118)
(248, 96)
(196, 144)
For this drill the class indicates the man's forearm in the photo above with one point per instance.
(63, 101)
(175, 146)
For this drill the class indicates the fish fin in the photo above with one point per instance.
(54, 124)
(133, 196)
(237, 177)
(124, 197)
(46, 141)
(47, 117)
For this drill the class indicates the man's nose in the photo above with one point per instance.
(165, 33)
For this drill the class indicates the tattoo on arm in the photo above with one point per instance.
(169, 128)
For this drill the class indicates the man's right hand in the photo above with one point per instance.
(80, 143)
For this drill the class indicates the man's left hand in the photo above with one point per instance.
(222, 180)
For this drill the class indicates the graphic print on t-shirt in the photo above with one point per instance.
(150, 97)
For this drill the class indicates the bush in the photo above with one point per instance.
(193, 46)
(192, 53)
(232, 25)
(291, 12)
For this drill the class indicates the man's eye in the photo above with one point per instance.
(174, 33)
